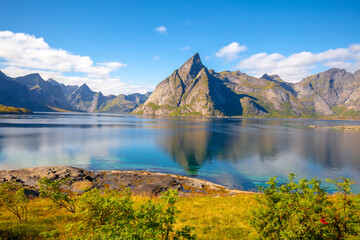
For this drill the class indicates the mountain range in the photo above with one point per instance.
(193, 90)
(34, 93)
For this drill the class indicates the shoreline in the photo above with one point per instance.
(325, 118)
(140, 182)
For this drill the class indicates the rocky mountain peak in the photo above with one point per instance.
(53, 82)
(357, 76)
(273, 77)
(190, 69)
(85, 88)
(34, 76)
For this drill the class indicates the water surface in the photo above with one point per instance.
(240, 153)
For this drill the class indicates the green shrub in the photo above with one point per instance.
(111, 215)
(59, 191)
(13, 199)
(303, 210)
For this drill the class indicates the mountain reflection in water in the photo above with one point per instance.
(239, 153)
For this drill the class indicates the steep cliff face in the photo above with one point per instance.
(67, 90)
(185, 92)
(43, 91)
(16, 95)
(194, 90)
(32, 92)
(84, 99)
(326, 90)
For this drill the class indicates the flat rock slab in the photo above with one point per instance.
(140, 182)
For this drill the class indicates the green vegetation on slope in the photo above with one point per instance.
(6, 109)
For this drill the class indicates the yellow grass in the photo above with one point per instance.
(6, 109)
(213, 218)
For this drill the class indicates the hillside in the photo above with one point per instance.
(193, 90)
(12, 110)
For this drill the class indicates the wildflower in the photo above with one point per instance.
(322, 220)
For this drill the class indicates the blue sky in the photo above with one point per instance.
(114, 45)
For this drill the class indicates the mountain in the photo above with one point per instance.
(194, 90)
(44, 92)
(328, 91)
(32, 92)
(14, 93)
(66, 89)
(84, 99)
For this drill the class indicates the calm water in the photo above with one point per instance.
(239, 153)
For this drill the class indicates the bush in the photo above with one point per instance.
(59, 191)
(303, 210)
(13, 199)
(111, 215)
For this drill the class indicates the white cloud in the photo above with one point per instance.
(186, 48)
(161, 30)
(156, 58)
(295, 67)
(22, 54)
(231, 51)
(27, 51)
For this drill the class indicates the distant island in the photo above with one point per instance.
(193, 90)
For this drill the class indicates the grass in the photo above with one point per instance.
(7, 110)
(222, 217)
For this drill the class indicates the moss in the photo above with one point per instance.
(35, 87)
(270, 86)
(153, 106)
(343, 112)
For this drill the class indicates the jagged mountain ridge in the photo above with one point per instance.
(36, 94)
(194, 90)
(44, 92)
(33, 93)
(84, 99)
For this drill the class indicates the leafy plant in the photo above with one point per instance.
(13, 199)
(344, 213)
(59, 191)
(111, 215)
(303, 210)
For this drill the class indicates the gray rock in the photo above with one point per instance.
(140, 182)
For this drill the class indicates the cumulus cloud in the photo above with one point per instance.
(161, 30)
(295, 67)
(186, 48)
(23, 54)
(231, 51)
(27, 51)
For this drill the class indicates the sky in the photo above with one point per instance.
(130, 46)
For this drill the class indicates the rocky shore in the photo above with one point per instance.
(140, 182)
